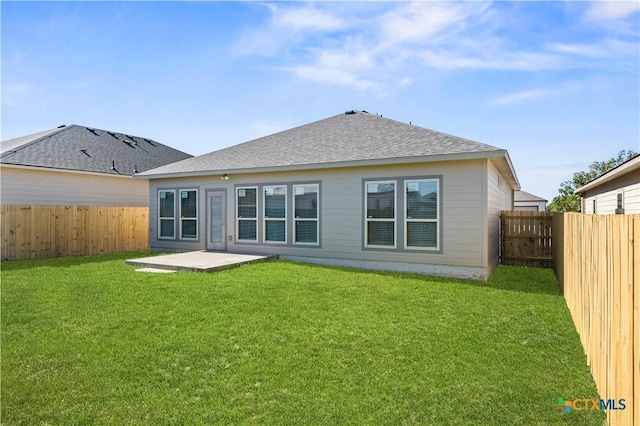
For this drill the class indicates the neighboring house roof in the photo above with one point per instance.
(523, 196)
(87, 149)
(627, 167)
(349, 139)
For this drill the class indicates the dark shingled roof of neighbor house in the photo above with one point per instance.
(87, 149)
(344, 139)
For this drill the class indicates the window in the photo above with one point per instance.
(275, 214)
(619, 202)
(189, 214)
(166, 214)
(421, 214)
(594, 206)
(305, 227)
(246, 214)
(380, 214)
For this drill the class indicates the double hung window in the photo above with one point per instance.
(166, 214)
(380, 214)
(275, 214)
(421, 214)
(189, 214)
(247, 214)
(305, 227)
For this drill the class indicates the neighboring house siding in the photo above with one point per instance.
(341, 214)
(37, 187)
(499, 197)
(606, 196)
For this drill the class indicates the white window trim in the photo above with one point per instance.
(265, 218)
(436, 220)
(238, 219)
(160, 218)
(180, 218)
(316, 219)
(395, 215)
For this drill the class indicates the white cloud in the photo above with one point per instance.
(420, 21)
(393, 43)
(304, 19)
(288, 26)
(340, 67)
(496, 59)
(525, 95)
(600, 49)
(611, 10)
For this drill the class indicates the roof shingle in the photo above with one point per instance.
(349, 137)
(87, 149)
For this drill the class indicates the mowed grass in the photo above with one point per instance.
(90, 341)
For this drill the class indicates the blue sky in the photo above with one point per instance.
(557, 84)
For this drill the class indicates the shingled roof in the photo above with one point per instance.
(519, 196)
(351, 138)
(87, 149)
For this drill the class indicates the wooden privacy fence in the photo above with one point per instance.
(526, 238)
(597, 262)
(53, 231)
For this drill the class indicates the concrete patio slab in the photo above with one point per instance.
(199, 261)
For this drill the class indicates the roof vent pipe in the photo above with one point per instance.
(113, 164)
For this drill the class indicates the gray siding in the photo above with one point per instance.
(341, 214)
(42, 187)
(499, 197)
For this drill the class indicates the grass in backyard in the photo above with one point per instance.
(90, 341)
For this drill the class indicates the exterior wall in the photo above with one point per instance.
(530, 206)
(463, 217)
(41, 187)
(606, 196)
(499, 197)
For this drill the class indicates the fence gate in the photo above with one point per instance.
(526, 238)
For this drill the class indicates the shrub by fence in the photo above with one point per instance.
(53, 231)
(597, 262)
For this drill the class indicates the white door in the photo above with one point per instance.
(216, 227)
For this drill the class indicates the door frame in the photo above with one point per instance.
(209, 193)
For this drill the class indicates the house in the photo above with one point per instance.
(77, 165)
(617, 191)
(524, 201)
(354, 190)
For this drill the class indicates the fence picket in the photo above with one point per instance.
(597, 262)
(53, 231)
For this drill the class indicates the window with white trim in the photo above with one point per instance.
(421, 218)
(275, 213)
(305, 206)
(380, 214)
(188, 214)
(247, 214)
(166, 214)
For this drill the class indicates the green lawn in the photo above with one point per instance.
(88, 340)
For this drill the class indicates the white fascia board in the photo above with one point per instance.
(359, 163)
